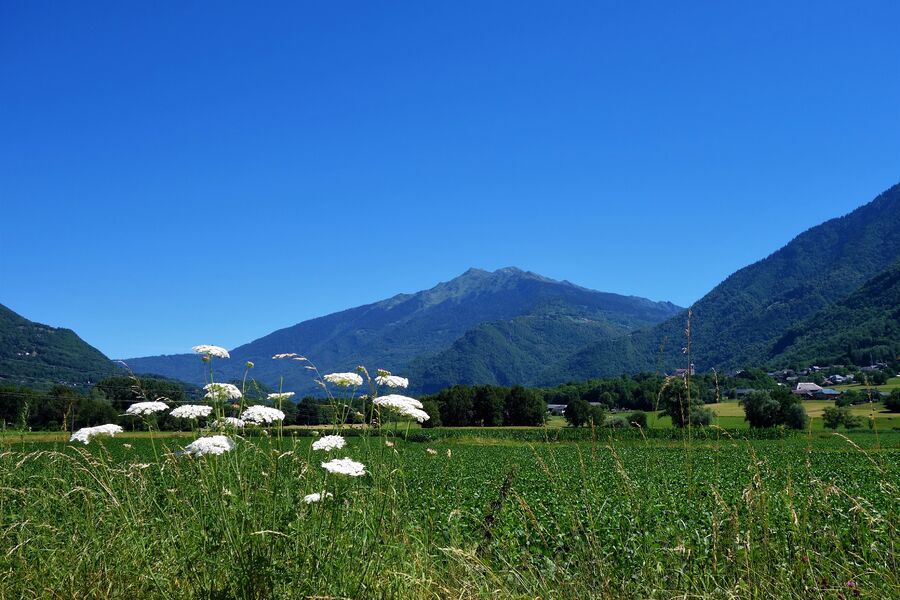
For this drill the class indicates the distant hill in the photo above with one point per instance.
(739, 322)
(864, 327)
(34, 354)
(537, 317)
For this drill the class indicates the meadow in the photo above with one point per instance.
(459, 514)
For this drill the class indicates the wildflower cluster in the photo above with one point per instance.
(191, 411)
(222, 391)
(146, 408)
(209, 350)
(403, 405)
(259, 414)
(85, 434)
(344, 379)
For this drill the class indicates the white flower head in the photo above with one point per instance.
(146, 408)
(403, 405)
(259, 414)
(214, 444)
(392, 381)
(344, 379)
(226, 422)
(280, 396)
(222, 391)
(85, 434)
(329, 443)
(345, 466)
(208, 350)
(191, 411)
(316, 497)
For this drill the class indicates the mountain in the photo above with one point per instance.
(400, 332)
(34, 354)
(741, 320)
(864, 327)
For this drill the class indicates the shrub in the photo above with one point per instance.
(701, 417)
(638, 419)
(772, 408)
(617, 422)
(892, 402)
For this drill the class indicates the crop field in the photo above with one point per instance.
(892, 384)
(488, 514)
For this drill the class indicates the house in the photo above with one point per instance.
(807, 389)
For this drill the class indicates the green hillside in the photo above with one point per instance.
(741, 319)
(399, 332)
(34, 354)
(515, 351)
(863, 328)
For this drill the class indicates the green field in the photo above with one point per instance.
(892, 384)
(489, 514)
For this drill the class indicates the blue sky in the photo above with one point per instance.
(173, 175)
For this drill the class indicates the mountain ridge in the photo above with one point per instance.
(395, 331)
(738, 321)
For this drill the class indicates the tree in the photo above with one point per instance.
(638, 419)
(879, 378)
(775, 407)
(456, 404)
(673, 401)
(835, 416)
(524, 407)
(892, 402)
(761, 410)
(578, 412)
(430, 406)
(487, 406)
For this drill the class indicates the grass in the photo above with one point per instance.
(892, 384)
(808, 516)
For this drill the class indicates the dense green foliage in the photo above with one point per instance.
(495, 328)
(462, 405)
(863, 328)
(38, 355)
(742, 319)
(775, 407)
(795, 518)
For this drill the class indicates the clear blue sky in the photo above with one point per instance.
(173, 175)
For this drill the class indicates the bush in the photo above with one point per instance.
(617, 422)
(892, 402)
(835, 416)
(701, 417)
(776, 407)
(578, 412)
(638, 419)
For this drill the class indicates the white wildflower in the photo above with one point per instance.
(85, 434)
(392, 381)
(316, 497)
(214, 444)
(431, 451)
(208, 350)
(146, 408)
(280, 396)
(344, 379)
(396, 399)
(222, 391)
(191, 411)
(226, 422)
(389, 443)
(407, 407)
(345, 466)
(262, 414)
(329, 443)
